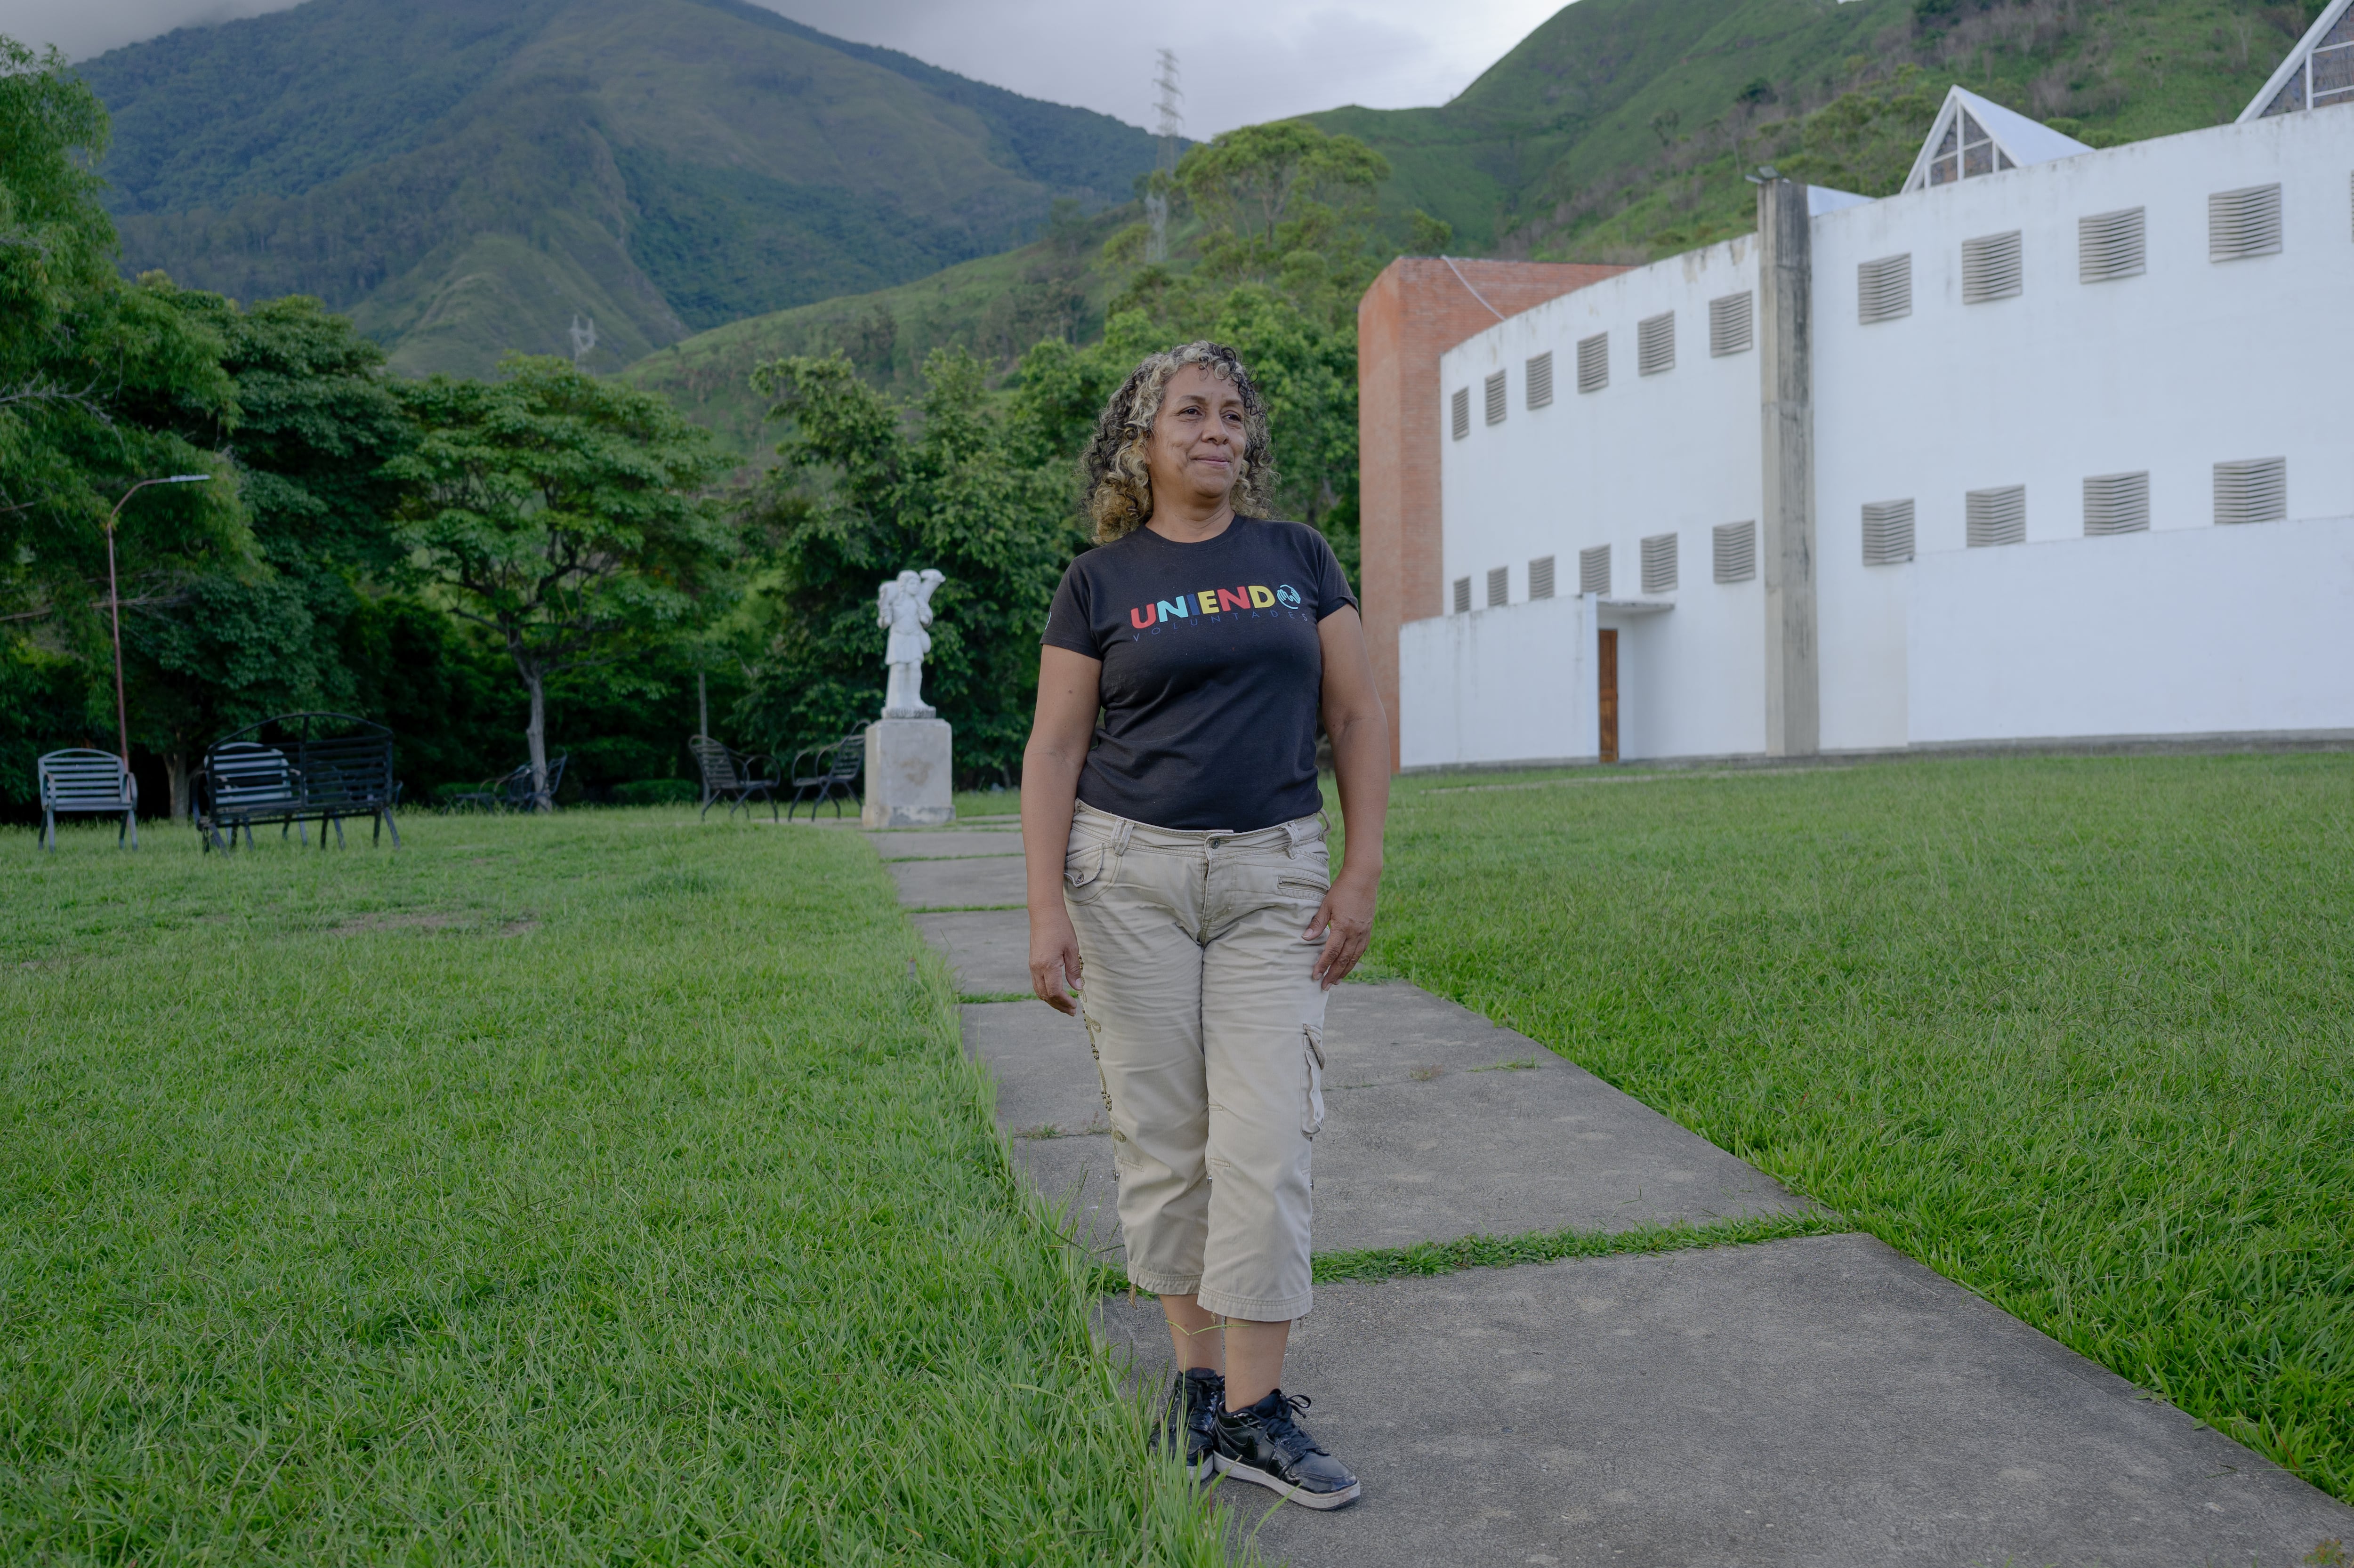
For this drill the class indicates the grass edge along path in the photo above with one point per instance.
(546, 1190)
(1425, 1260)
(2077, 1033)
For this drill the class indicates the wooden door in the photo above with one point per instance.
(1606, 703)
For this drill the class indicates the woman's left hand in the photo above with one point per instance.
(1345, 921)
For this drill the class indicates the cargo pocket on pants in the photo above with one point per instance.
(1083, 873)
(1311, 1109)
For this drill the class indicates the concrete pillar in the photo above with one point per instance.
(910, 773)
(1785, 518)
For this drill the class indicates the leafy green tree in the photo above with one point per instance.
(859, 497)
(100, 380)
(1272, 196)
(317, 422)
(44, 704)
(565, 515)
(1428, 235)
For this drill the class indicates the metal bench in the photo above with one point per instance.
(733, 776)
(293, 768)
(89, 781)
(828, 768)
(511, 790)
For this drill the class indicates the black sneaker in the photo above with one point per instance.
(1265, 1446)
(1193, 1407)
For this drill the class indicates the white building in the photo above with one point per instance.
(2061, 442)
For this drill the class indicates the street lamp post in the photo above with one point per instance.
(114, 604)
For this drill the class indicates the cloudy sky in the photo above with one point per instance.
(1260, 61)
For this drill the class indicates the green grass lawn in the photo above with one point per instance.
(596, 1188)
(2074, 1033)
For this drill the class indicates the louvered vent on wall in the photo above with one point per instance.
(1541, 380)
(1655, 344)
(1659, 564)
(2254, 489)
(1735, 552)
(1462, 596)
(2117, 504)
(1594, 362)
(1990, 268)
(1540, 577)
(1887, 533)
(1594, 570)
(2112, 244)
(1462, 412)
(1495, 390)
(1883, 289)
(1499, 586)
(2243, 223)
(1996, 516)
(1731, 329)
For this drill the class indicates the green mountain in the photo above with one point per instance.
(466, 178)
(1620, 130)
(997, 306)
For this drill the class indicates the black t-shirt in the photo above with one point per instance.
(1213, 673)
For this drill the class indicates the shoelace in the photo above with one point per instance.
(1283, 1426)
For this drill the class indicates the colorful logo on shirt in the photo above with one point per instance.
(1213, 601)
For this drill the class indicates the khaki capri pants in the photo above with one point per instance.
(1207, 1024)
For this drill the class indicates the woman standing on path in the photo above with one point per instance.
(1184, 841)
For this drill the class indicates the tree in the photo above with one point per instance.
(317, 421)
(565, 515)
(99, 382)
(859, 497)
(1271, 193)
(1428, 235)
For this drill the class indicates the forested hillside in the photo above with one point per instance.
(464, 179)
(1619, 130)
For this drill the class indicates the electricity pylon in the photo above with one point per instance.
(1172, 128)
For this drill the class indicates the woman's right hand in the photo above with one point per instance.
(1054, 959)
(1070, 687)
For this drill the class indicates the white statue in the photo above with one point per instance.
(905, 605)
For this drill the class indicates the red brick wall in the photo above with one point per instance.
(1415, 311)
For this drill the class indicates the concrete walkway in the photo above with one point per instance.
(1817, 1401)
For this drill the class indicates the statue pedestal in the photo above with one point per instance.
(909, 780)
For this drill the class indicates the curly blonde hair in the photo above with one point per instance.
(1118, 474)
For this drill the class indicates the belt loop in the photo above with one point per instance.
(1293, 831)
(1119, 839)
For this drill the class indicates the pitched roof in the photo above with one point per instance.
(2318, 72)
(2016, 141)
